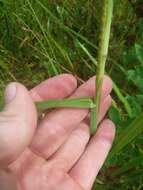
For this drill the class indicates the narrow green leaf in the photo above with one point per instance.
(128, 135)
(122, 99)
(87, 53)
(66, 103)
(44, 34)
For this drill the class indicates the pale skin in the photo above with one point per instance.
(56, 153)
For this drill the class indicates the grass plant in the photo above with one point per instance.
(42, 38)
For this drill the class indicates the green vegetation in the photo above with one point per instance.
(85, 102)
(41, 38)
(104, 37)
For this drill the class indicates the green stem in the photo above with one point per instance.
(116, 89)
(103, 52)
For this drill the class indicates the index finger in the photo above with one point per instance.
(57, 87)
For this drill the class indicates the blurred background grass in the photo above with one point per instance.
(42, 38)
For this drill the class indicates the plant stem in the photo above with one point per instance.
(107, 12)
(116, 89)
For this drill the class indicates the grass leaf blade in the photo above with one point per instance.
(66, 103)
(128, 135)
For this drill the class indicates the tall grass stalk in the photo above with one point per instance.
(107, 11)
(116, 89)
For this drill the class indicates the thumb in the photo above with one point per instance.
(17, 123)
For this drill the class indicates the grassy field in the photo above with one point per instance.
(41, 38)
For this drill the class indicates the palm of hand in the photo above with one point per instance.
(62, 155)
(37, 173)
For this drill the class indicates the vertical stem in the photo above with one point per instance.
(107, 12)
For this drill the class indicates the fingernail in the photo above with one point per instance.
(10, 92)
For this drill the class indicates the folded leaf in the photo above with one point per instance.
(66, 103)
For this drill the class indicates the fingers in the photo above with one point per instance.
(94, 156)
(17, 123)
(58, 124)
(7, 180)
(75, 145)
(57, 87)
(104, 107)
(67, 183)
(88, 88)
(72, 149)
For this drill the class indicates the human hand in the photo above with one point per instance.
(61, 155)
